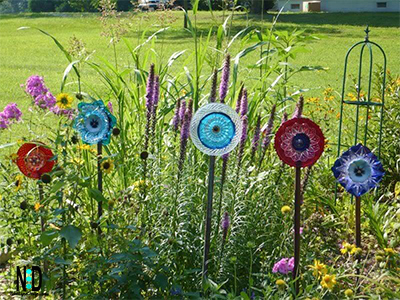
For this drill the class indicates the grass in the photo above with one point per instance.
(27, 52)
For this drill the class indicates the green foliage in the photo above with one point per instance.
(41, 5)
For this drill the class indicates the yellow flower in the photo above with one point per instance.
(77, 161)
(319, 268)
(18, 182)
(328, 281)
(355, 250)
(37, 206)
(20, 142)
(64, 101)
(285, 209)
(84, 147)
(1, 197)
(352, 96)
(390, 251)
(347, 248)
(280, 283)
(349, 293)
(107, 166)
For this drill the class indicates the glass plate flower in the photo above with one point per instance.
(358, 170)
(299, 142)
(215, 129)
(94, 122)
(34, 160)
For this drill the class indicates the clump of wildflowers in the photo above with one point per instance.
(244, 103)
(239, 99)
(349, 248)
(284, 266)
(11, 111)
(319, 269)
(149, 105)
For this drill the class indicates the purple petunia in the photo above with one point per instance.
(284, 266)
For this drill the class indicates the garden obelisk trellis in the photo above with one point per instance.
(362, 102)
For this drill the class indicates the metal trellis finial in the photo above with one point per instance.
(367, 31)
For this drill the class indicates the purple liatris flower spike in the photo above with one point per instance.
(176, 119)
(182, 111)
(189, 109)
(298, 112)
(11, 111)
(267, 131)
(150, 89)
(223, 87)
(239, 99)
(213, 93)
(225, 225)
(149, 106)
(256, 137)
(244, 103)
(184, 137)
(156, 97)
(243, 139)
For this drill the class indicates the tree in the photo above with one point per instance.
(41, 5)
(84, 5)
(256, 5)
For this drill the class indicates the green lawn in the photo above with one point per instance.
(27, 52)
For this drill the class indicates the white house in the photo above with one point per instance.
(360, 5)
(339, 5)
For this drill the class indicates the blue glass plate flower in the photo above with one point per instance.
(358, 170)
(215, 129)
(94, 122)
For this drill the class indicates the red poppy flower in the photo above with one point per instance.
(34, 160)
(299, 142)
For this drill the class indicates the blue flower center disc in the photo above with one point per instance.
(301, 142)
(216, 130)
(93, 122)
(359, 170)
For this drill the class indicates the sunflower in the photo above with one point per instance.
(64, 101)
(107, 166)
(18, 182)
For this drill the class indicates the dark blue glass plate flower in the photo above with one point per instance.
(94, 122)
(215, 129)
(358, 170)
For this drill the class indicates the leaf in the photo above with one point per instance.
(58, 185)
(161, 281)
(47, 236)
(66, 72)
(195, 6)
(72, 234)
(60, 261)
(97, 195)
(397, 189)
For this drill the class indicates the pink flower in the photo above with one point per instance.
(110, 107)
(11, 111)
(35, 86)
(284, 266)
(3, 121)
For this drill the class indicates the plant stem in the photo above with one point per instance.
(207, 233)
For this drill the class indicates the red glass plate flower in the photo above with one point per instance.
(299, 142)
(34, 160)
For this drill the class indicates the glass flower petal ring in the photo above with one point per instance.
(94, 122)
(358, 170)
(215, 129)
(299, 142)
(34, 160)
